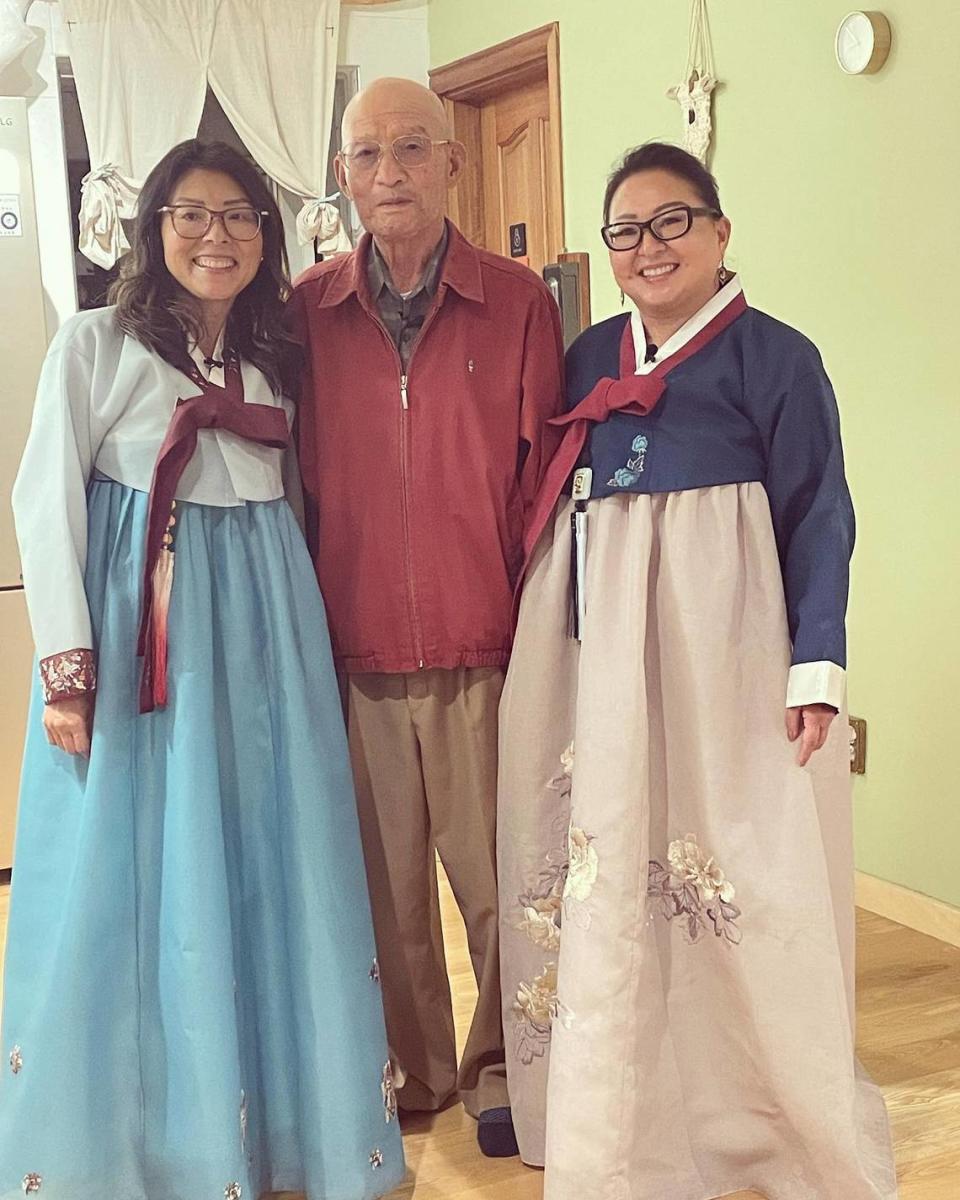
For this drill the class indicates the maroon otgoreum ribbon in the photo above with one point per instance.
(631, 393)
(215, 408)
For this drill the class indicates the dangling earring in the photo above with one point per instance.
(722, 274)
(623, 298)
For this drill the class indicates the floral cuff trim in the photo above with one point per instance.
(68, 675)
(816, 683)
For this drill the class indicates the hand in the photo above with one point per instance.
(68, 724)
(811, 724)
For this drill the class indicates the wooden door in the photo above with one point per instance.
(514, 135)
(504, 105)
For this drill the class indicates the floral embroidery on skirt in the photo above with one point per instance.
(693, 888)
(560, 890)
(535, 1009)
(389, 1090)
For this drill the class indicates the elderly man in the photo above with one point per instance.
(431, 369)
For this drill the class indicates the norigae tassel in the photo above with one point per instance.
(162, 587)
(153, 683)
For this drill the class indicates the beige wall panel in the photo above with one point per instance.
(23, 335)
(16, 655)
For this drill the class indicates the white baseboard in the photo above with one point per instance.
(913, 909)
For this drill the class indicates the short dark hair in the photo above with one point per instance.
(153, 308)
(662, 156)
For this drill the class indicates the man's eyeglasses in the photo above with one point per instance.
(666, 226)
(193, 221)
(412, 150)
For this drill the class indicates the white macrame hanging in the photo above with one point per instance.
(695, 93)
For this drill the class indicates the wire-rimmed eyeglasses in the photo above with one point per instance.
(194, 221)
(666, 226)
(411, 150)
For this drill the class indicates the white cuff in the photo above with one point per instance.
(816, 683)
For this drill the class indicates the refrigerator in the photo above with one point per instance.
(23, 343)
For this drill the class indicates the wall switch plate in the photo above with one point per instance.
(858, 745)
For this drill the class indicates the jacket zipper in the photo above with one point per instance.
(404, 490)
(404, 436)
(405, 495)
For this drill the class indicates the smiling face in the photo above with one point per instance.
(397, 203)
(214, 268)
(667, 281)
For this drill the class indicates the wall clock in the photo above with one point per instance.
(863, 42)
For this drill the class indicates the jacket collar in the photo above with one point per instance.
(460, 271)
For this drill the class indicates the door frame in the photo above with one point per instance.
(465, 84)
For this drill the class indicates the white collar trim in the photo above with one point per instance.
(701, 318)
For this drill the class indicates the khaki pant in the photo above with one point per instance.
(424, 753)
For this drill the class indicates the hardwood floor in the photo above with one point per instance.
(909, 1036)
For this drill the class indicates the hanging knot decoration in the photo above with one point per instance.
(105, 196)
(319, 222)
(695, 93)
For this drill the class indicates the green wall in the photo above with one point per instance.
(845, 200)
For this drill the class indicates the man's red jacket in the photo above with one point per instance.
(417, 485)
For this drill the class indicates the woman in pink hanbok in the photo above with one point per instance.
(674, 830)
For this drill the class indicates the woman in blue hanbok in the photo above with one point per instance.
(191, 1004)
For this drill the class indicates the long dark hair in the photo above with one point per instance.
(153, 308)
(662, 156)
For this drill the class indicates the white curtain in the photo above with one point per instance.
(273, 68)
(15, 37)
(142, 68)
(141, 73)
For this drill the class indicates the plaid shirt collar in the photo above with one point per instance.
(378, 276)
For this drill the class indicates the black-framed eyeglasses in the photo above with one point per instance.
(194, 221)
(666, 226)
(411, 150)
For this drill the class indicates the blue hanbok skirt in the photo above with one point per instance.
(192, 1004)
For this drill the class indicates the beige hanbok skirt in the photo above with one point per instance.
(677, 917)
